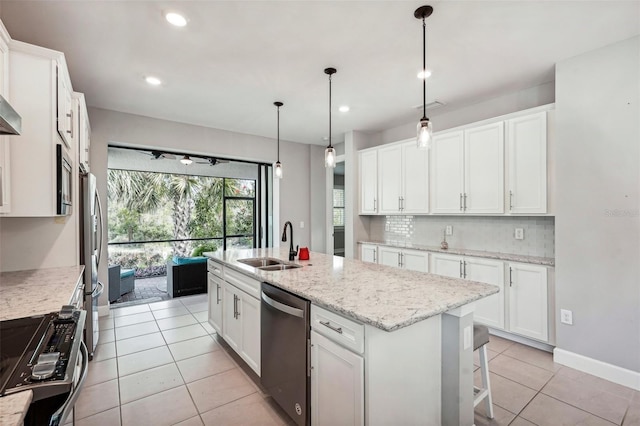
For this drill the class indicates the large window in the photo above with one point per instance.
(154, 216)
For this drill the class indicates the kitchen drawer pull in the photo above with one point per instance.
(328, 324)
(510, 200)
(461, 201)
(218, 300)
(375, 204)
(461, 269)
(465, 201)
(510, 277)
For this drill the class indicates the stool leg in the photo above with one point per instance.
(484, 370)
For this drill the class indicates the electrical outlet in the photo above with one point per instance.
(387, 226)
(449, 230)
(519, 234)
(566, 316)
(301, 225)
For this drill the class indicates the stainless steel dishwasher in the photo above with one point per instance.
(285, 352)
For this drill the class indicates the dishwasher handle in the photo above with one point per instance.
(282, 307)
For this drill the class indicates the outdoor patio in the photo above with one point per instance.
(146, 290)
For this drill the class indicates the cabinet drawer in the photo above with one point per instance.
(341, 330)
(215, 268)
(243, 282)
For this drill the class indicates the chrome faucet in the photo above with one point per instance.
(292, 253)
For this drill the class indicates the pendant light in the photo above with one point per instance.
(330, 153)
(278, 166)
(424, 129)
(186, 160)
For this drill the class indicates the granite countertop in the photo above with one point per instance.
(545, 261)
(37, 291)
(385, 297)
(14, 407)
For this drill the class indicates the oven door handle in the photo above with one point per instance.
(60, 416)
(99, 293)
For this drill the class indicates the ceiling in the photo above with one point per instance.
(235, 58)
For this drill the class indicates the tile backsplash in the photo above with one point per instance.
(473, 233)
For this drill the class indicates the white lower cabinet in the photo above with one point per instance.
(214, 290)
(528, 305)
(337, 384)
(241, 324)
(490, 310)
(414, 260)
(368, 253)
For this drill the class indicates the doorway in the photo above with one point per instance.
(338, 211)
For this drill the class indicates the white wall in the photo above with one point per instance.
(598, 215)
(317, 189)
(111, 127)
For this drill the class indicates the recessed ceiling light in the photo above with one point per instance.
(175, 19)
(154, 81)
(421, 74)
(344, 108)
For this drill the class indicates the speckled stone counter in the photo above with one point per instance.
(14, 407)
(544, 261)
(37, 291)
(385, 297)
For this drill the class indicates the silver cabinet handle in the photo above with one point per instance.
(374, 257)
(399, 261)
(510, 200)
(235, 306)
(464, 269)
(218, 294)
(461, 269)
(399, 203)
(465, 201)
(510, 277)
(461, 201)
(70, 115)
(375, 204)
(328, 324)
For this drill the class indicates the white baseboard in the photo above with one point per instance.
(613, 373)
(103, 310)
(521, 339)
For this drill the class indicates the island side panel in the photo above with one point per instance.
(403, 374)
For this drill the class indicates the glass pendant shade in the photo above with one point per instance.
(330, 157)
(425, 133)
(278, 170)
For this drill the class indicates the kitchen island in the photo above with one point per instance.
(418, 330)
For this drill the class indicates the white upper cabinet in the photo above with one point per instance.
(484, 169)
(404, 179)
(447, 172)
(83, 131)
(5, 151)
(369, 182)
(390, 179)
(67, 116)
(527, 160)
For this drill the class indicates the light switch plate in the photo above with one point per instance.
(519, 234)
(566, 316)
(301, 225)
(449, 230)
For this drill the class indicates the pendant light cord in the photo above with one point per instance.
(278, 134)
(424, 69)
(330, 146)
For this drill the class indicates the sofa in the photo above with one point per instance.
(121, 281)
(186, 276)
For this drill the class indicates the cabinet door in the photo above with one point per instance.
(337, 384)
(5, 183)
(389, 256)
(447, 172)
(215, 292)
(369, 182)
(368, 253)
(490, 310)
(446, 265)
(528, 310)
(250, 319)
(65, 112)
(527, 158)
(484, 169)
(415, 179)
(390, 181)
(231, 325)
(415, 260)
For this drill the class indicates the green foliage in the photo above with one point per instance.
(208, 246)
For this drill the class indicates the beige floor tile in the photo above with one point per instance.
(251, 410)
(520, 372)
(547, 411)
(519, 421)
(170, 312)
(533, 356)
(107, 336)
(607, 386)
(193, 347)
(101, 371)
(136, 330)
(506, 393)
(176, 322)
(569, 372)
(106, 418)
(140, 343)
(133, 319)
(183, 333)
(194, 300)
(96, 399)
(128, 310)
(633, 415)
(105, 323)
(498, 344)
(193, 421)
(164, 408)
(215, 391)
(476, 356)
(500, 416)
(208, 328)
(587, 397)
(165, 304)
(149, 382)
(143, 360)
(202, 316)
(104, 351)
(198, 307)
(204, 365)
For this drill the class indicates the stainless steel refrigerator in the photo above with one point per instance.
(91, 237)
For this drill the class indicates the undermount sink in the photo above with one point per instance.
(259, 262)
(280, 267)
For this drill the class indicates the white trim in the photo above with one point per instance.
(613, 373)
(462, 311)
(103, 310)
(543, 346)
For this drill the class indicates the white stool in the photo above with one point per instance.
(480, 340)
